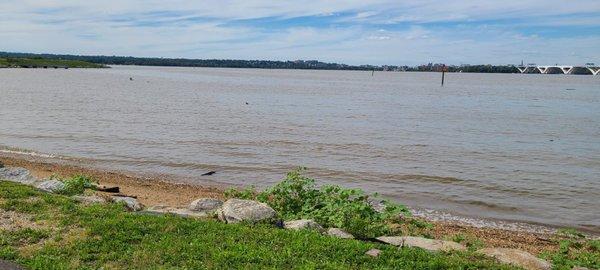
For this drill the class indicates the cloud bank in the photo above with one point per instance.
(354, 32)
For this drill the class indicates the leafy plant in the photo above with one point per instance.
(247, 193)
(298, 197)
(77, 184)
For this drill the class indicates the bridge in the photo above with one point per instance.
(585, 69)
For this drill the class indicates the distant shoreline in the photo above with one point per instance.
(263, 64)
(39, 62)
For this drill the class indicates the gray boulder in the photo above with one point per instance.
(236, 210)
(131, 203)
(182, 212)
(88, 199)
(339, 233)
(18, 175)
(420, 242)
(52, 186)
(303, 224)
(516, 257)
(205, 204)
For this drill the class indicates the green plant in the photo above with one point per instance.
(77, 184)
(71, 235)
(574, 250)
(298, 197)
(247, 193)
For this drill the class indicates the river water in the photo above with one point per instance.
(504, 146)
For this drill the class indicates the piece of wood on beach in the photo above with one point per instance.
(107, 189)
(124, 195)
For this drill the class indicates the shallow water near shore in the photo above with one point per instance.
(503, 146)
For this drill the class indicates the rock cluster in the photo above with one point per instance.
(420, 242)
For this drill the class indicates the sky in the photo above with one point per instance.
(379, 32)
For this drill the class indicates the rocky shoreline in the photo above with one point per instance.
(162, 197)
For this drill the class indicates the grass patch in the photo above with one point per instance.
(115, 239)
(574, 250)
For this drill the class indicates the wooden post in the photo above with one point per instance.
(443, 73)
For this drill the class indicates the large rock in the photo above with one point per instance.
(236, 210)
(16, 174)
(88, 199)
(131, 203)
(182, 212)
(53, 186)
(516, 257)
(302, 224)
(339, 233)
(420, 242)
(205, 204)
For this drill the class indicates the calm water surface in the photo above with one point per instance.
(506, 146)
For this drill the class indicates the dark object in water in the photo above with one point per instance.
(570, 89)
(247, 103)
(107, 189)
(208, 173)
(130, 78)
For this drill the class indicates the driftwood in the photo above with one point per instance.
(123, 195)
(107, 189)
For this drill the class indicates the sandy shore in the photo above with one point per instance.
(157, 191)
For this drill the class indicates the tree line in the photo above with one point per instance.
(265, 64)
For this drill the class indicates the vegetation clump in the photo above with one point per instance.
(75, 185)
(574, 250)
(70, 235)
(298, 197)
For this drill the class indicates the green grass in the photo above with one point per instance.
(49, 63)
(574, 250)
(90, 237)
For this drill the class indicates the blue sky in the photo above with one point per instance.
(354, 32)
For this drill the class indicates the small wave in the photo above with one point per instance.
(489, 205)
(440, 216)
(27, 153)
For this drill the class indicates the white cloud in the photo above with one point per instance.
(365, 31)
